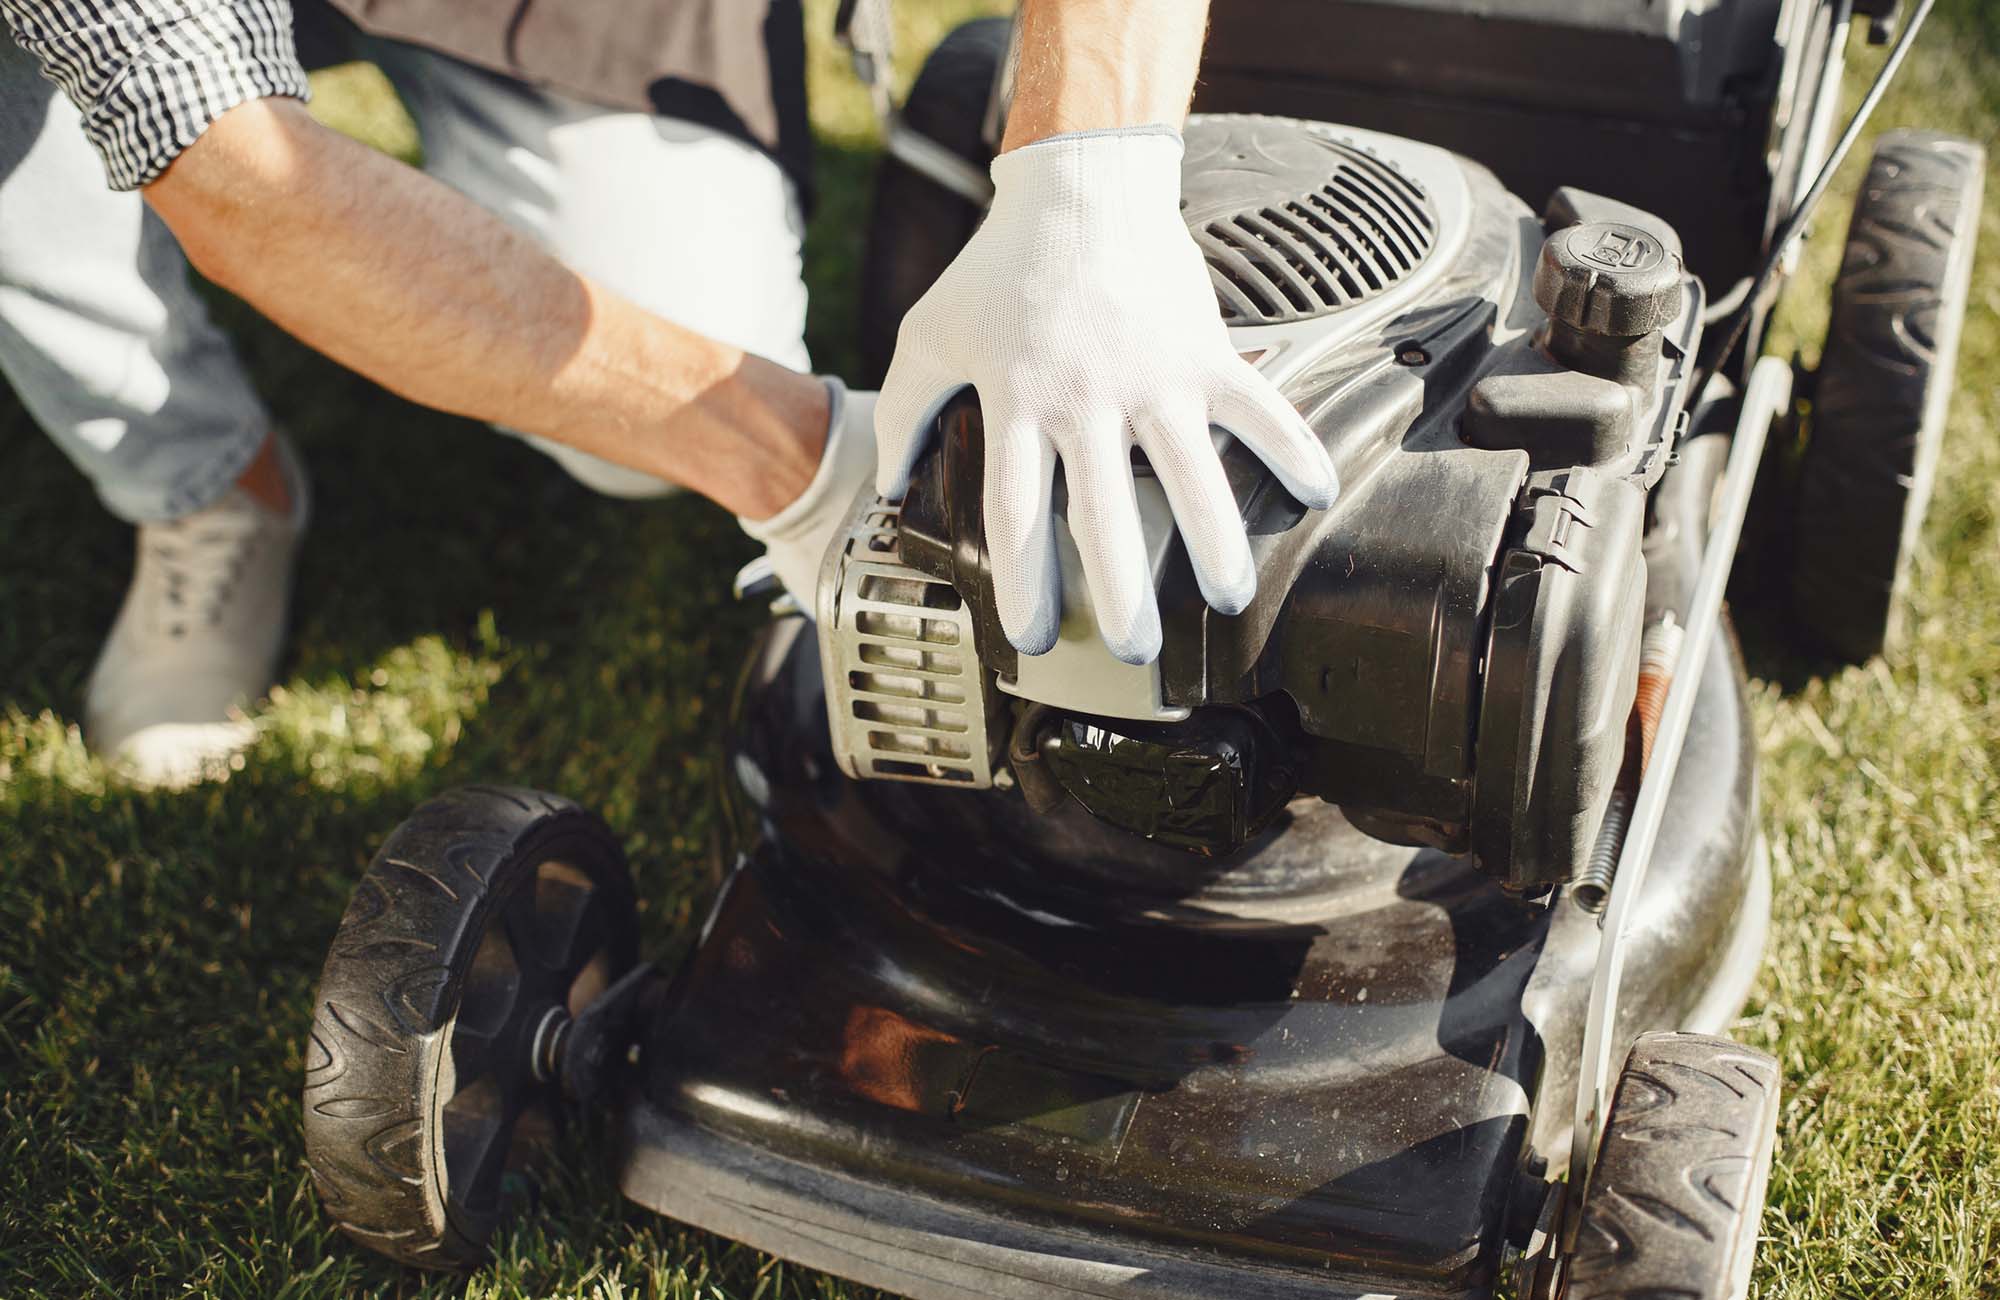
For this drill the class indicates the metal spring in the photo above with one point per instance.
(1593, 884)
(1658, 652)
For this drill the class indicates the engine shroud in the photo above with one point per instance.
(1452, 647)
(1295, 224)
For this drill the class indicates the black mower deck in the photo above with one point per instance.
(1350, 1079)
(917, 1246)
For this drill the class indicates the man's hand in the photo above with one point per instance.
(1082, 315)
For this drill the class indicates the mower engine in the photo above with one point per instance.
(1450, 652)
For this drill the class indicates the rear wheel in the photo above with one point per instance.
(486, 923)
(918, 225)
(1678, 1187)
(1883, 385)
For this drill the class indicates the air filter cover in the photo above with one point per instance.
(1295, 221)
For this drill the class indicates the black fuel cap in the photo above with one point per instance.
(1608, 278)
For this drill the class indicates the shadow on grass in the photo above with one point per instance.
(464, 612)
(1775, 648)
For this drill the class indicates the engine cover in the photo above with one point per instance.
(1449, 652)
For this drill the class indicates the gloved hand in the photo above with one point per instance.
(796, 537)
(1081, 312)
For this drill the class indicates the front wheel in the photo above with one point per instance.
(486, 923)
(1678, 1187)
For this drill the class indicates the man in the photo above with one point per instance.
(637, 309)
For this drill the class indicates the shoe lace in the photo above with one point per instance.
(200, 561)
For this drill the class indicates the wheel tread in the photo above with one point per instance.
(1675, 1194)
(424, 874)
(361, 1027)
(387, 995)
(1877, 412)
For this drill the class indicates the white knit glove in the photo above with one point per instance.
(1081, 312)
(796, 537)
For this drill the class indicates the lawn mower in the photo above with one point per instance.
(1374, 941)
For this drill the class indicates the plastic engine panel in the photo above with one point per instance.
(1458, 636)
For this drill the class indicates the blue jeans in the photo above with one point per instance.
(114, 355)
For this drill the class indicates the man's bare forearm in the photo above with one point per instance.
(1089, 65)
(411, 284)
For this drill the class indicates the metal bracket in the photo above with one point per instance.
(1766, 398)
(927, 157)
(867, 30)
(594, 1044)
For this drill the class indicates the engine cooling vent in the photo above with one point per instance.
(907, 697)
(1295, 223)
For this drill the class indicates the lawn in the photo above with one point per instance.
(466, 614)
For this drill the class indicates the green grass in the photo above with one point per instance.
(467, 614)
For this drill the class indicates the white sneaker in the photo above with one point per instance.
(198, 637)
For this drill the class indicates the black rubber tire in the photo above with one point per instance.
(481, 911)
(1678, 1188)
(918, 226)
(1884, 381)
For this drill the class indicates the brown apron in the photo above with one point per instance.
(736, 65)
